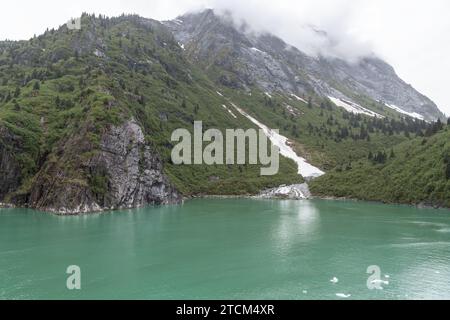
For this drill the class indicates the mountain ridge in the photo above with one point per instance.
(275, 65)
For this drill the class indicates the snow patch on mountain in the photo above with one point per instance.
(257, 50)
(99, 53)
(305, 169)
(410, 114)
(229, 111)
(292, 111)
(354, 107)
(298, 98)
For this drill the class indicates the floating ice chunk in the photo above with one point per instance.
(379, 281)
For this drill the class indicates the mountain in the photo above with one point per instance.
(86, 116)
(244, 59)
(86, 119)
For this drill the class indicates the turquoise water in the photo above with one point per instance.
(228, 249)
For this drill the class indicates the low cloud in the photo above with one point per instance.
(316, 28)
(411, 35)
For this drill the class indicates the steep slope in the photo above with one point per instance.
(123, 171)
(324, 134)
(374, 78)
(240, 59)
(414, 172)
(86, 118)
(79, 148)
(10, 171)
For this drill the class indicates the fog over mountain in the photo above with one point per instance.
(325, 30)
(401, 32)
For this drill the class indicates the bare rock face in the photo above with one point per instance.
(134, 171)
(10, 172)
(266, 61)
(124, 172)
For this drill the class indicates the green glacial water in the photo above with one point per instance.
(228, 249)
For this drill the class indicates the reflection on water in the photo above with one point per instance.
(298, 222)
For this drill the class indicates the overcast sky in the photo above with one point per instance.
(412, 35)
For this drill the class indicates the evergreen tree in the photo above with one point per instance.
(8, 97)
(447, 171)
(81, 82)
(392, 155)
(439, 125)
(122, 84)
(380, 157)
(17, 92)
(37, 86)
(310, 104)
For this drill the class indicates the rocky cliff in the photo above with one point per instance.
(10, 171)
(123, 173)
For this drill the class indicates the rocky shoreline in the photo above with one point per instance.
(6, 205)
(260, 196)
(283, 192)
